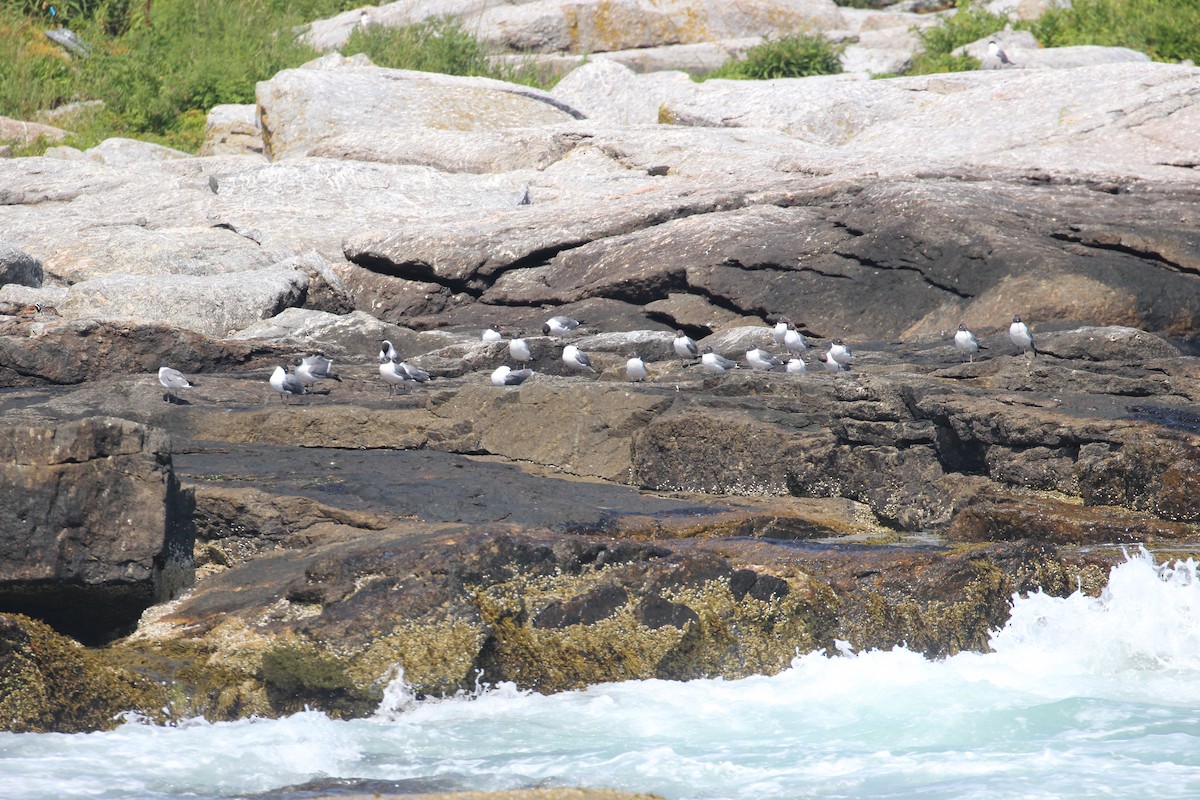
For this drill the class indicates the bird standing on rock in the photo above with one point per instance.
(635, 368)
(576, 359)
(311, 369)
(831, 364)
(507, 376)
(999, 55)
(493, 334)
(518, 349)
(560, 326)
(966, 342)
(685, 346)
(286, 384)
(794, 341)
(172, 380)
(840, 353)
(393, 374)
(758, 358)
(780, 330)
(796, 366)
(1021, 337)
(715, 363)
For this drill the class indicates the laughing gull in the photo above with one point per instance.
(172, 380)
(311, 369)
(518, 349)
(1021, 336)
(840, 353)
(635, 368)
(831, 364)
(507, 376)
(493, 334)
(685, 346)
(414, 374)
(758, 358)
(286, 384)
(716, 364)
(794, 341)
(393, 374)
(576, 359)
(387, 352)
(796, 365)
(780, 330)
(966, 342)
(559, 326)
(998, 55)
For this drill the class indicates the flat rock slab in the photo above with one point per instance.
(431, 486)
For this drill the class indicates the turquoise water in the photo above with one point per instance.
(1081, 698)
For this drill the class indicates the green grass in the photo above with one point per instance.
(158, 82)
(797, 55)
(967, 25)
(436, 45)
(1165, 30)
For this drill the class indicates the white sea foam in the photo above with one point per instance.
(1081, 697)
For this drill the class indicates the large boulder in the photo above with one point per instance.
(320, 111)
(94, 525)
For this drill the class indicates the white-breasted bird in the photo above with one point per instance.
(414, 374)
(286, 383)
(780, 330)
(559, 326)
(635, 368)
(758, 358)
(172, 380)
(311, 369)
(998, 55)
(794, 341)
(840, 352)
(493, 334)
(393, 374)
(1019, 333)
(387, 352)
(576, 359)
(518, 349)
(966, 342)
(796, 365)
(831, 364)
(685, 346)
(715, 363)
(507, 376)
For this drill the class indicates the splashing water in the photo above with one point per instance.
(1081, 697)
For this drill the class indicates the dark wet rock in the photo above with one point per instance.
(19, 267)
(996, 516)
(74, 351)
(94, 523)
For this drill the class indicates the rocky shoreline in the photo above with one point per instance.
(229, 554)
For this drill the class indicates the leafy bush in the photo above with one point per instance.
(435, 45)
(1165, 30)
(797, 55)
(966, 25)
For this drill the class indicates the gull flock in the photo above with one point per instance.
(298, 378)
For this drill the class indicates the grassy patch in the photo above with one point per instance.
(1165, 30)
(797, 55)
(967, 25)
(436, 45)
(158, 81)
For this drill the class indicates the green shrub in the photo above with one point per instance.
(966, 25)
(436, 45)
(797, 55)
(1165, 30)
